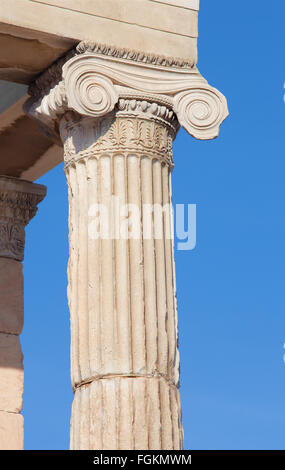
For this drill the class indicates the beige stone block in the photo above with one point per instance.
(160, 16)
(188, 4)
(11, 431)
(11, 296)
(11, 373)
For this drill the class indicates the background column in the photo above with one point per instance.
(18, 204)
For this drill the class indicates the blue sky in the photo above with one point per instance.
(230, 288)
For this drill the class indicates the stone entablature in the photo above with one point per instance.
(40, 31)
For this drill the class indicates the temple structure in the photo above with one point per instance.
(110, 83)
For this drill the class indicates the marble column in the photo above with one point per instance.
(18, 204)
(125, 362)
(117, 113)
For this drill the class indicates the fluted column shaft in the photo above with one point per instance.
(18, 204)
(124, 357)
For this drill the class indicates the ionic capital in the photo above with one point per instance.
(93, 80)
(18, 205)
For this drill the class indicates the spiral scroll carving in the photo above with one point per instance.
(92, 83)
(89, 93)
(201, 111)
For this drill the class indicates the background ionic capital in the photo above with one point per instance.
(18, 205)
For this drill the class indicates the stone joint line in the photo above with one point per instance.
(157, 376)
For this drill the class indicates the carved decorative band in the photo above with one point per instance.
(144, 137)
(152, 111)
(133, 55)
